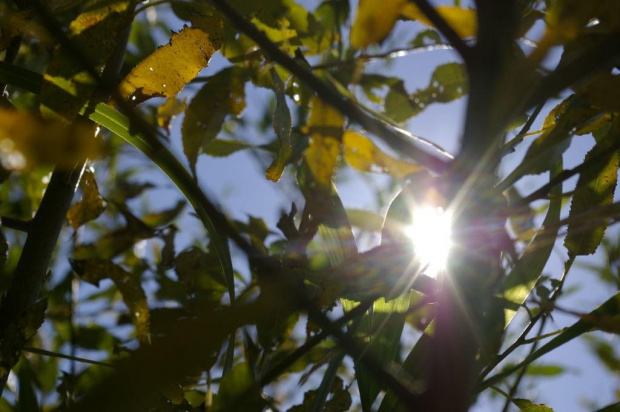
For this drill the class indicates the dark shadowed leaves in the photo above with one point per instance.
(221, 96)
(95, 270)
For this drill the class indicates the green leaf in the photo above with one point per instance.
(238, 391)
(221, 96)
(560, 124)
(340, 400)
(282, 124)
(27, 400)
(201, 275)
(95, 270)
(169, 68)
(545, 370)
(614, 407)
(223, 148)
(595, 187)
(527, 406)
(518, 284)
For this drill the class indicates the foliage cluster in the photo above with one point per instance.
(88, 91)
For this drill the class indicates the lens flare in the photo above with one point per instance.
(431, 234)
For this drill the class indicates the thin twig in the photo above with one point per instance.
(444, 28)
(390, 54)
(509, 146)
(515, 386)
(396, 140)
(523, 336)
(44, 352)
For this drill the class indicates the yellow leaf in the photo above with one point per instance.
(463, 21)
(95, 34)
(167, 111)
(167, 70)
(95, 270)
(27, 140)
(374, 21)
(91, 205)
(325, 128)
(362, 154)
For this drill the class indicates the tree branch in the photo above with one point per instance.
(397, 141)
(16, 224)
(445, 29)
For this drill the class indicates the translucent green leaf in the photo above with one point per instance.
(95, 270)
(167, 70)
(595, 187)
(95, 34)
(519, 283)
(559, 126)
(164, 217)
(545, 370)
(221, 96)
(527, 406)
(340, 400)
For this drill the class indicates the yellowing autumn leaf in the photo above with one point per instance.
(362, 154)
(463, 21)
(325, 129)
(169, 68)
(91, 205)
(27, 140)
(374, 21)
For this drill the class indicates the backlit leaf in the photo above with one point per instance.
(375, 19)
(221, 96)
(282, 124)
(167, 111)
(200, 273)
(519, 283)
(95, 33)
(29, 140)
(164, 217)
(448, 82)
(362, 154)
(325, 129)
(545, 370)
(95, 270)
(169, 68)
(527, 406)
(91, 205)
(463, 21)
(595, 187)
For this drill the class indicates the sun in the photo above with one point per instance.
(431, 235)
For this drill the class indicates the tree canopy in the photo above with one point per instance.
(129, 286)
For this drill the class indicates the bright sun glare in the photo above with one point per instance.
(431, 236)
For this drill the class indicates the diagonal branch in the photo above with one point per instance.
(394, 139)
(445, 29)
